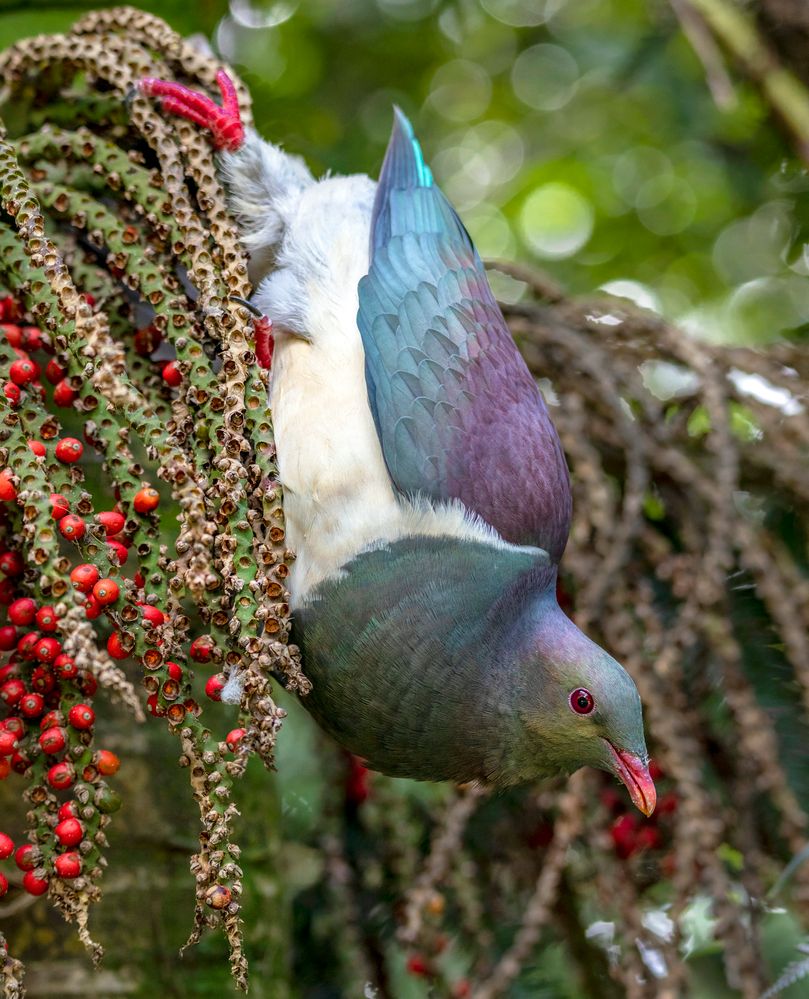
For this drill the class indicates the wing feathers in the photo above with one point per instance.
(457, 412)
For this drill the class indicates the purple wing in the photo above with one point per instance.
(458, 414)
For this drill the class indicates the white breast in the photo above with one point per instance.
(339, 498)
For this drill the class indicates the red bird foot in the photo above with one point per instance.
(265, 344)
(262, 332)
(224, 123)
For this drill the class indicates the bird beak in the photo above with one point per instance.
(634, 775)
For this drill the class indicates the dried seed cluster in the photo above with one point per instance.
(118, 260)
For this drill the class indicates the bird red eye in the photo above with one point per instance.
(581, 701)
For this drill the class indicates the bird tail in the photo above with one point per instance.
(407, 199)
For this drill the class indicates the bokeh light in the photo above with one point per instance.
(461, 90)
(545, 77)
(556, 220)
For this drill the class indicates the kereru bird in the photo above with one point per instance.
(426, 491)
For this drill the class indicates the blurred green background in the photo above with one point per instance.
(575, 135)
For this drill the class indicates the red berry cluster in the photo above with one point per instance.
(631, 834)
(45, 699)
(24, 372)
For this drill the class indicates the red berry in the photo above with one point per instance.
(47, 649)
(47, 619)
(11, 691)
(54, 371)
(65, 667)
(63, 394)
(87, 683)
(92, 608)
(72, 527)
(215, 686)
(115, 646)
(59, 506)
(11, 669)
(22, 611)
(61, 775)
(202, 648)
(32, 705)
(106, 591)
(13, 333)
(5, 768)
(89, 299)
(146, 500)
(69, 810)
(8, 491)
(111, 521)
(84, 577)
(53, 719)
(12, 564)
(81, 716)
(171, 374)
(38, 448)
(27, 644)
(26, 857)
(174, 670)
(108, 763)
(8, 638)
(32, 338)
(667, 804)
(152, 614)
(138, 580)
(69, 832)
(3, 882)
(648, 838)
(8, 740)
(7, 591)
(12, 393)
(6, 846)
(624, 835)
(147, 340)
(13, 724)
(69, 450)
(20, 763)
(121, 551)
(417, 965)
(153, 704)
(53, 740)
(42, 680)
(234, 737)
(23, 371)
(34, 885)
(68, 865)
(11, 309)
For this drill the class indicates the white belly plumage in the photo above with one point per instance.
(338, 496)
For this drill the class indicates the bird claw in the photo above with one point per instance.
(262, 331)
(265, 344)
(224, 123)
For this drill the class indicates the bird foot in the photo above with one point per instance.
(265, 344)
(224, 123)
(262, 333)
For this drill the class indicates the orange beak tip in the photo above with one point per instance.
(634, 774)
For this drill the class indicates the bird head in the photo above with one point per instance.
(580, 706)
